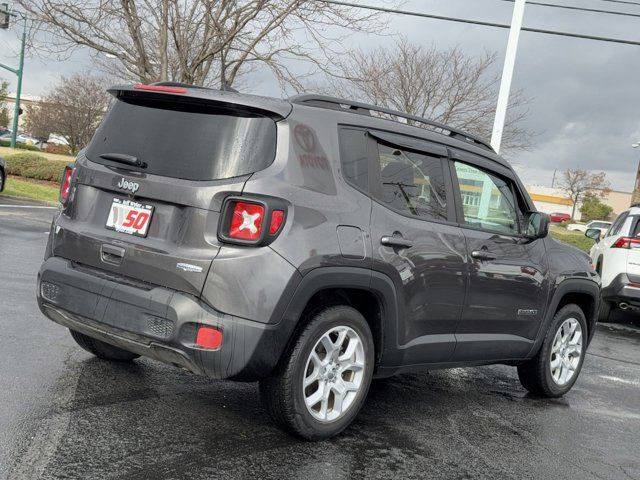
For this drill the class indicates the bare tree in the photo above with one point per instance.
(579, 183)
(73, 109)
(200, 41)
(442, 85)
(40, 120)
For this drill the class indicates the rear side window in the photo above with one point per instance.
(635, 225)
(192, 142)
(617, 224)
(354, 157)
(412, 183)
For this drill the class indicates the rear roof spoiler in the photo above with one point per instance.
(277, 109)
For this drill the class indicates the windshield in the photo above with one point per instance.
(193, 142)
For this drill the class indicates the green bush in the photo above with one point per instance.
(593, 209)
(32, 165)
(21, 146)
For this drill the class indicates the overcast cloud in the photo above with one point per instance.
(586, 94)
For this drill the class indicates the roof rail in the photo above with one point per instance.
(225, 88)
(323, 101)
(176, 84)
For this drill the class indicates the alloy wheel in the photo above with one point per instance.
(566, 351)
(334, 374)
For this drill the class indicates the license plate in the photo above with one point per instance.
(129, 217)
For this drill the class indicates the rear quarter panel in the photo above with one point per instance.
(306, 173)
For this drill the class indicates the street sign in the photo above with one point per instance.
(4, 16)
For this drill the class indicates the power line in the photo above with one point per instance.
(582, 9)
(622, 1)
(484, 24)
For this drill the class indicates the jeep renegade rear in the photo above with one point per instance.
(310, 244)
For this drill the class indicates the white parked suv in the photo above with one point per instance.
(616, 258)
(583, 227)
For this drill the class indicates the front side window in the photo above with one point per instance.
(487, 200)
(412, 183)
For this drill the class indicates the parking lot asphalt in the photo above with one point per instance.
(65, 414)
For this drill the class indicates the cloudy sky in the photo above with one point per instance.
(586, 94)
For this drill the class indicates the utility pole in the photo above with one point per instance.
(635, 195)
(507, 74)
(4, 24)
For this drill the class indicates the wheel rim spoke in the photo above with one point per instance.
(328, 345)
(341, 337)
(313, 400)
(350, 350)
(313, 377)
(352, 367)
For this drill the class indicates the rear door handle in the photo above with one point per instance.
(483, 255)
(395, 241)
(111, 254)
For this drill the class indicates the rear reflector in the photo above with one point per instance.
(160, 88)
(277, 218)
(65, 185)
(626, 242)
(246, 221)
(208, 337)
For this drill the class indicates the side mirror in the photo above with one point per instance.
(536, 225)
(593, 234)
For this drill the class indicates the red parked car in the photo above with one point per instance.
(559, 217)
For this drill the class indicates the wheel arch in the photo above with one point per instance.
(371, 293)
(580, 291)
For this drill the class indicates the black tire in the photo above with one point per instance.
(604, 313)
(2, 180)
(282, 392)
(535, 374)
(101, 349)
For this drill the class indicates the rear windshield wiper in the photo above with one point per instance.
(124, 158)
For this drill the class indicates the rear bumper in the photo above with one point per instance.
(621, 290)
(155, 322)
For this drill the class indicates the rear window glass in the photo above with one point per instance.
(191, 142)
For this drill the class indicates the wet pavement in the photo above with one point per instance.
(65, 414)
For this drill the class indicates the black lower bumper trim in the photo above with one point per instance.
(156, 322)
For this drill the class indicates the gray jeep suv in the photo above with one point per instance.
(311, 244)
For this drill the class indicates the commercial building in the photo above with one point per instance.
(551, 200)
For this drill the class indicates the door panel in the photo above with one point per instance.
(508, 287)
(430, 279)
(506, 299)
(414, 244)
